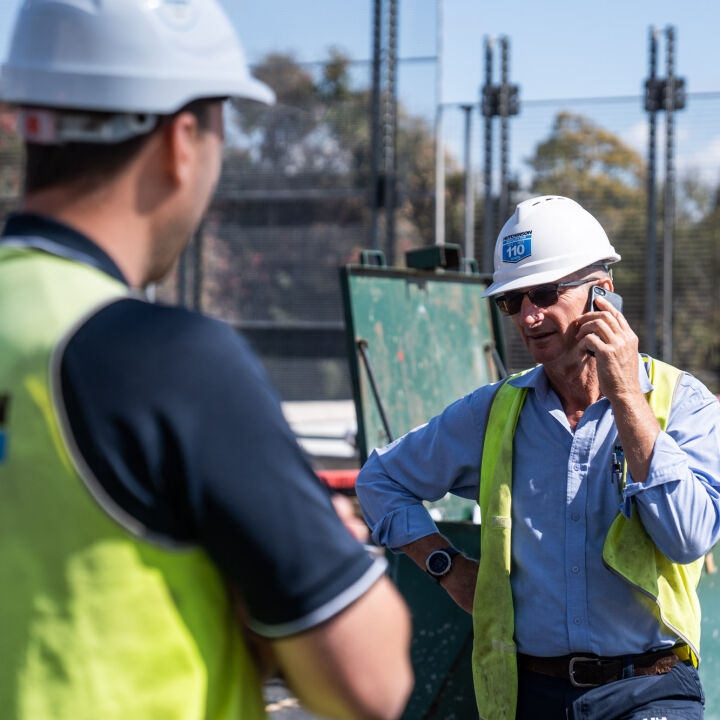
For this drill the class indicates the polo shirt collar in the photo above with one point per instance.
(52, 236)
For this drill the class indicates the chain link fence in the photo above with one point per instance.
(293, 205)
(595, 151)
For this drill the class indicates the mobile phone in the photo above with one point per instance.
(613, 298)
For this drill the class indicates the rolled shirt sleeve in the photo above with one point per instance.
(679, 504)
(436, 458)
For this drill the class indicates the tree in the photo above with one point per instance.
(591, 165)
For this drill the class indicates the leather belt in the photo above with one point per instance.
(591, 670)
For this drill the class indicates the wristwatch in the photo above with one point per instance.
(439, 562)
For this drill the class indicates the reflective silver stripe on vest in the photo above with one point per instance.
(52, 248)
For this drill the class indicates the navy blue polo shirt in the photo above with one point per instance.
(175, 418)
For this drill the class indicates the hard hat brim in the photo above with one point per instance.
(548, 276)
(161, 96)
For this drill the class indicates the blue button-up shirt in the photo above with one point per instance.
(564, 499)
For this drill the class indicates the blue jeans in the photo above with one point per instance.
(676, 695)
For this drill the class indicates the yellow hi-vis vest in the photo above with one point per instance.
(95, 623)
(628, 551)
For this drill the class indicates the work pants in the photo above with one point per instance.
(676, 695)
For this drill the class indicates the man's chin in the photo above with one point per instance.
(543, 348)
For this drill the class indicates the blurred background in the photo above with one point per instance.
(407, 123)
(404, 123)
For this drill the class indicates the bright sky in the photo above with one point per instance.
(559, 48)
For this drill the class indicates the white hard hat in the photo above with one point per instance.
(125, 56)
(546, 239)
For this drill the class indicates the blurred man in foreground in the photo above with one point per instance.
(146, 472)
(597, 473)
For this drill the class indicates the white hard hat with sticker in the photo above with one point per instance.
(546, 239)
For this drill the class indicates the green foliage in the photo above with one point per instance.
(591, 165)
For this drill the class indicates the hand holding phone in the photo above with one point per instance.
(613, 298)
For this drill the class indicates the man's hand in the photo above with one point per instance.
(346, 512)
(606, 332)
(608, 335)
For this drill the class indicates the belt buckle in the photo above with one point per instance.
(571, 671)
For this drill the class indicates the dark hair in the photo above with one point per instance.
(90, 164)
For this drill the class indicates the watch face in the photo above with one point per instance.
(438, 562)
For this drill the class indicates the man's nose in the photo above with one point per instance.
(529, 311)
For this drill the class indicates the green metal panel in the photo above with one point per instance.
(709, 592)
(429, 337)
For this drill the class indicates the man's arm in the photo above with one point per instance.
(460, 581)
(442, 456)
(674, 475)
(439, 457)
(220, 468)
(615, 345)
(355, 665)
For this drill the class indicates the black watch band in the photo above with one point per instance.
(439, 562)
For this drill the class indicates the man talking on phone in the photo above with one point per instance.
(598, 478)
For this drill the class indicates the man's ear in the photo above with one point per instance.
(180, 136)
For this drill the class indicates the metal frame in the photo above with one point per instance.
(351, 342)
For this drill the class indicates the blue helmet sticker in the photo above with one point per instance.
(517, 247)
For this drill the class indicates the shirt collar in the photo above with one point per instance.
(536, 379)
(62, 240)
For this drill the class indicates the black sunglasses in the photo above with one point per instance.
(543, 296)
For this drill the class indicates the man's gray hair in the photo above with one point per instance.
(590, 269)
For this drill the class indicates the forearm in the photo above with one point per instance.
(356, 665)
(637, 430)
(460, 582)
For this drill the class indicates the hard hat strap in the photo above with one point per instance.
(55, 127)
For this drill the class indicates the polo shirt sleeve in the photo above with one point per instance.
(173, 416)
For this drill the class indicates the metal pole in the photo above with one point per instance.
(488, 220)
(439, 153)
(504, 140)
(375, 128)
(390, 134)
(469, 190)
(669, 200)
(362, 346)
(651, 240)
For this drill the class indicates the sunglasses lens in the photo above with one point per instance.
(510, 303)
(544, 295)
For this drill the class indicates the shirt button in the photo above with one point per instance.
(576, 467)
(577, 620)
(575, 516)
(575, 569)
